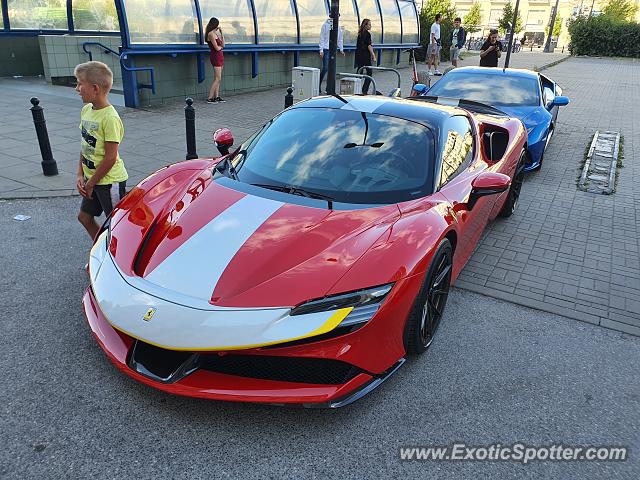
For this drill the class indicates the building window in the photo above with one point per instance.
(391, 17)
(162, 21)
(96, 15)
(409, 22)
(38, 14)
(236, 19)
(276, 21)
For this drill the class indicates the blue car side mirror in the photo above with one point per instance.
(420, 88)
(561, 101)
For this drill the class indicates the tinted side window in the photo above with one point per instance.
(457, 148)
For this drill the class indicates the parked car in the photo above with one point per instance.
(530, 96)
(305, 265)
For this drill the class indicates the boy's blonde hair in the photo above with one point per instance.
(96, 73)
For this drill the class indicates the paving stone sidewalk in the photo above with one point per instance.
(567, 251)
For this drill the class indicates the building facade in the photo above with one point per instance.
(535, 14)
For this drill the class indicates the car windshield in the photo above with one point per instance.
(492, 89)
(344, 155)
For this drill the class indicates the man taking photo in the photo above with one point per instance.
(491, 50)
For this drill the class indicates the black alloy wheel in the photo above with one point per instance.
(516, 188)
(428, 308)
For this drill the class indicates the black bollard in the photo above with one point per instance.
(288, 98)
(49, 165)
(190, 121)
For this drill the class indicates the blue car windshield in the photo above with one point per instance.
(345, 155)
(491, 89)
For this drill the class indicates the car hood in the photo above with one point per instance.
(234, 249)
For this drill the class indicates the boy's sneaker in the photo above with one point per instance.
(437, 73)
(220, 100)
(212, 100)
(430, 72)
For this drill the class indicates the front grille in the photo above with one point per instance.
(285, 369)
(169, 366)
(160, 364)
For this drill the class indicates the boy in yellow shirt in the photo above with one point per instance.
(102, 178)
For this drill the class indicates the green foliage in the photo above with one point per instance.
(557, 27)
(507, 17)
(428, 16)
(621, 10)
(603, 36)
(473, 20)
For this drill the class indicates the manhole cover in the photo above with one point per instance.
(599, 171)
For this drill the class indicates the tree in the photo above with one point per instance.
(504, 23)
(428, 16)
(433, 7)
(621, 10)
(473, 20)
(557, 27)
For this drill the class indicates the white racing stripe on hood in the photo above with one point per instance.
(195, 267)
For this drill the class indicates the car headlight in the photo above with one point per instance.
(364, 304)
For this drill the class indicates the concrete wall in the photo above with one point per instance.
(20, 56)
(177, 78)
(61, 53)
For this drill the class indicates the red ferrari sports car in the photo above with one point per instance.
(305, 265)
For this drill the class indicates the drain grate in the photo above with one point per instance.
(599, 171)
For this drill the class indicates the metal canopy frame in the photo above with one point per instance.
(129, 50)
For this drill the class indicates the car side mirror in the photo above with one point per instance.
(223, 138)
(487, 183)
(419, 89)
(560, 101)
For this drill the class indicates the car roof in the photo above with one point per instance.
(428, 114)
(509, 72)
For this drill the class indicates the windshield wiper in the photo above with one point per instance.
(226, 168)
(296, 191)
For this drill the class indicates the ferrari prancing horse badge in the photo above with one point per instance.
(149, 315)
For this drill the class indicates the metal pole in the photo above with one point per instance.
(49, 165)
(547, 44)
(591, 11)
(190, 125)
(513, 32)
(288, 98)
(333, 47)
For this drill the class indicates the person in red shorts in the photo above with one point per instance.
(215, 40)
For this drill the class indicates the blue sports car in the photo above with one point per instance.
(524, 94)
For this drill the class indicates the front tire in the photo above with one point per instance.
(425, 316)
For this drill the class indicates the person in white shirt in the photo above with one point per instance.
(324, 46)
(433, 49)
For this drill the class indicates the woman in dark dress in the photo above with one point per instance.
(365, 56)
(215, 40)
